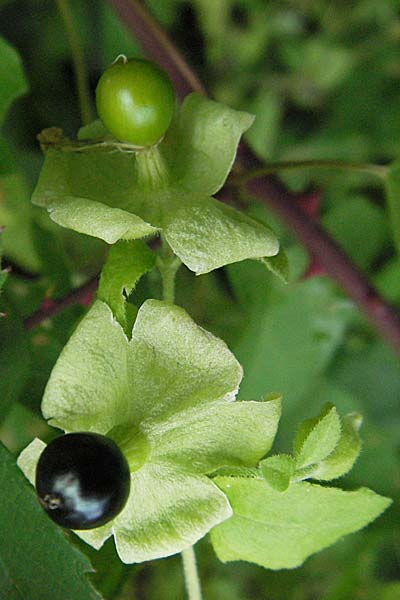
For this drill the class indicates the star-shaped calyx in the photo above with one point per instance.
(167, 397)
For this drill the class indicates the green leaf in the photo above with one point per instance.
(12, 78)
(317, 438)
(14, 359)
(58, 569)
(341, 460)
(219, 434)
(201, 146)
(208, 234)
(285, 344)
(278, 265)
(277, 471)
(16, 216)
(126, 263)
(171, 510)
(392, 189)
(279, 530)
(360, 226)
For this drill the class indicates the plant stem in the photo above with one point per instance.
(192, 581)
(168, 265)
(286, 165)
(78, 61)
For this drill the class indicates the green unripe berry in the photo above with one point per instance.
(136, 101)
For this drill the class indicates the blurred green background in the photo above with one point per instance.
(323, 79)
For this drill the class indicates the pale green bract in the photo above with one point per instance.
(97, 191)
(174, 384)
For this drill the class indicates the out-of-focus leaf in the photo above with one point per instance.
(16, 215)
(12, 78)
(360, 227)
(14, 359)
(393, 200)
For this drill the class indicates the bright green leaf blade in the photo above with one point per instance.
(27, 462)
(346, 452)
(392, 188)
(169, 511)
(202, 145)
(175, 364)
(317, 438)
(277, 471)
(12, 79)
(58, 569)
(88, 387)
(89, 193)
(279, 530)
(208, 234)
(126, 263)
(217, 435)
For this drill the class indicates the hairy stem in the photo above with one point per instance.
(192, 581)
(78, 61)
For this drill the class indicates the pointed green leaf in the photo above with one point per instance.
(16, 216)
(317, 438)
(392, 188)
(126, 263)
(277, 471)
(58, 569)
(171, 510)
(202, 144)
(12, 78)
(208, 234)
(279, 530)
(346, 452)
(217, 435)
(88, 387)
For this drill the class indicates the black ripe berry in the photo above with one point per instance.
(82, 480)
